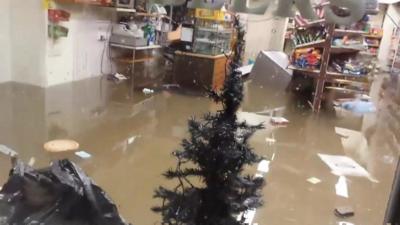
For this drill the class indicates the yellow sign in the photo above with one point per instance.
(46, 4)
(210, 14)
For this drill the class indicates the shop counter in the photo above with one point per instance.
(196, 71)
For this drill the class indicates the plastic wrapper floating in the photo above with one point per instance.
(61, 194)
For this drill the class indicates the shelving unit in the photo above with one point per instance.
(338, 81)
(314, 44)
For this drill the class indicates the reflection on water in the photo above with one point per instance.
(130, 140)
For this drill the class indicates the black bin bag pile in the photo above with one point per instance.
(61, 194)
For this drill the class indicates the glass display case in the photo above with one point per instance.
(212, 37)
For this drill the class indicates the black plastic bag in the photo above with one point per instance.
(57, 195)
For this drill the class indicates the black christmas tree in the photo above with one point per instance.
(216, 153)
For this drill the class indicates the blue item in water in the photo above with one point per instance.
(359, 106)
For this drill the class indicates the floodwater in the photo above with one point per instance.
(130, 139)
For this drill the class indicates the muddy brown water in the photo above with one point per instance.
(130, 139)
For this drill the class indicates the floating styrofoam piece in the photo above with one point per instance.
(279, 121)
(83, 154)
(314, 180)
(263, 166)
(342, 188)
(7, 151)
(120, 76)
(344, 166)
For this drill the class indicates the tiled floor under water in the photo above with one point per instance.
(131, 139)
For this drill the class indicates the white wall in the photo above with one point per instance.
(388, 26)
(79, 55)
(28, 39)
(264, 32)
(5, 57)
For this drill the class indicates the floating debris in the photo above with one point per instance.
(83, 154)
(279, 121)
(147, 91)
(343, 212)
(63, 145)
(8, 151)
(314, 180)
(32, 161)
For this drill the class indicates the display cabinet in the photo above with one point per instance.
(212, 37)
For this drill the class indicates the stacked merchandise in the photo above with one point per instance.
(302, 37)
(351, 67)
(349, 42)
(306, 58)
(373, 40)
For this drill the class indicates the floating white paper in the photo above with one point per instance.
(263, 166)
(341, 187)
(83, 154)
(344, 166)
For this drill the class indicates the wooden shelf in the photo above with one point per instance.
(341, 32)
(342, 49)
(373, 36)
(313, 23)
(291, 67)
(337, 75)
(309, 72)
(344, 89)
(316, 44)
(363, 84)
